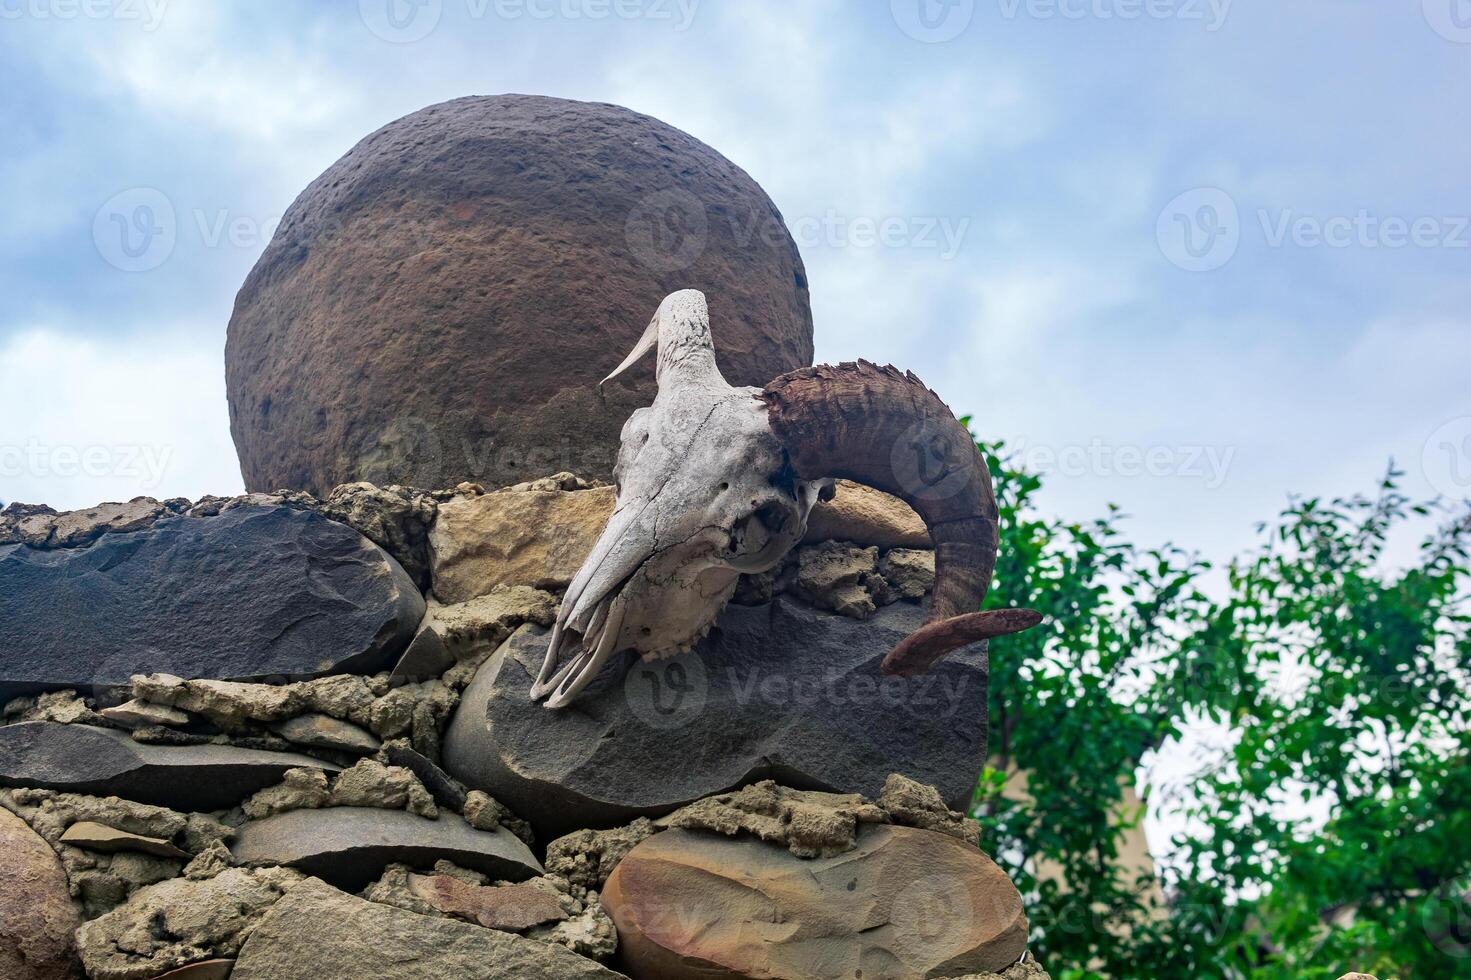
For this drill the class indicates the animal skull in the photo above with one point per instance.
(713, 481)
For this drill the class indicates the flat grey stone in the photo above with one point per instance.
(92, 836)
(103, 762)
(350, 846)
(319, 932)
(779, 691)
(254, 593)
(321, 731)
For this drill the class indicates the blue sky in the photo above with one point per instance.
(1038, 165)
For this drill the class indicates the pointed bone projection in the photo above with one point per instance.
(714, 481)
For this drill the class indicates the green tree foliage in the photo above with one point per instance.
(1335, 833)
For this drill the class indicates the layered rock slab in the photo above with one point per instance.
(350, 846)
(37, 916)
(904, 904)
(319, 932)
(256, 592)
(103, 762)
(779, 691)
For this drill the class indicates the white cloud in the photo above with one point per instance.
(87, 420)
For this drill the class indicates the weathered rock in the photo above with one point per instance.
(144, 714)
(423, 314)
(109, 840)
(513, 908)
(865, 516)
(64, 707)
(372, 784)
(778, 691)
(299, 789)
(587, 857)
(343, 696)
(37, 917)
(178, 922)
(514, 537)
(446, 790)
(905, 903)
(909, 573)
(807, 823)
(350, 846)
(209, 863)
(102, 762)
(203, 970)
(452, 633)
(484, 812)
(839, 577)
(1027, 970)
(255, 592)
(319, 932)
(913, 804)
(396, 519)
(321, 731)
(42, 527)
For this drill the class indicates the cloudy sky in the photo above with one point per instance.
(1186, 255)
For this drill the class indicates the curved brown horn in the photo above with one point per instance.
(883, 428)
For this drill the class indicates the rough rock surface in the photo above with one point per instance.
(37, 917)
(41, 527)
(299, 789)
(350, 846)
(320, 731)
(440, 304)
(102, 762)
(513, 908)
(396, 519)
(372, 784)
(865, 516)
(255, 592)
(457, 632)
(174, 923)
(92, 836)
(914, 804)
(319, 932)
(807, 823)
(587, 857)
(905, 903)
(514, 537)
(777, 691)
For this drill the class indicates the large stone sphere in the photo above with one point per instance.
(440, 305)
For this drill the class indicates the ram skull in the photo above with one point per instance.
(713, 481)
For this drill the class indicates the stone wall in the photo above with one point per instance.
(274, 736)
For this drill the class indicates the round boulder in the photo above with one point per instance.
(440, 305)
